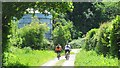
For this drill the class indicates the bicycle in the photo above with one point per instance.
(67, 55)
(58, 56)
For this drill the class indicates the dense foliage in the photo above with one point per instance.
(90, 41)
(115, 37)
(61, 33)
(77, 43)
(74, 22)
(18, 9)
(31, 35)
(88, 15)
(104, 40)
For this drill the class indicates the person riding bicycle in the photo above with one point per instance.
(58, 49)
(67, 48)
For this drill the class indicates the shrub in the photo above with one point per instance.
(13, 38)
(115, 36)
(75, 34)
(103, 38)
(90, 40)
(32, 35)
(108, 37)
(77, 43)
(27, 49)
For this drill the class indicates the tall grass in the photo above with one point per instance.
(26, 57)
(90, 58)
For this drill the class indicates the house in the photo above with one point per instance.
(28, 18)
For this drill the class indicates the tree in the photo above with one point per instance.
(61, 34)
(17, 9)
(86, 16)
(82, 16)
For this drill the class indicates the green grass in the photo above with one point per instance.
(27, 57)
(90, 58)
(119, 63)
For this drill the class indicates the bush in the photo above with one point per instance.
(103, 38)
(32, 35)
(90, 39)
(13, 38)
(75, 34)
(115, 36)
(27, 49)
(77, 43)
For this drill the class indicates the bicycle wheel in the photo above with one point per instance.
(58, 56)
(67, 56)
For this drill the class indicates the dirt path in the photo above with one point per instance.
(69, 62)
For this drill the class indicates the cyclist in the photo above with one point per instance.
(58, 50)
(67, 49)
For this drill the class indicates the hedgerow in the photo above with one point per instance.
(104, 40)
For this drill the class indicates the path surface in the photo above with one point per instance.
(69, 62)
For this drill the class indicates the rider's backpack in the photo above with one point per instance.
(58, 49)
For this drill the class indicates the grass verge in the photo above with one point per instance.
(27, 57)
(90, 58)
